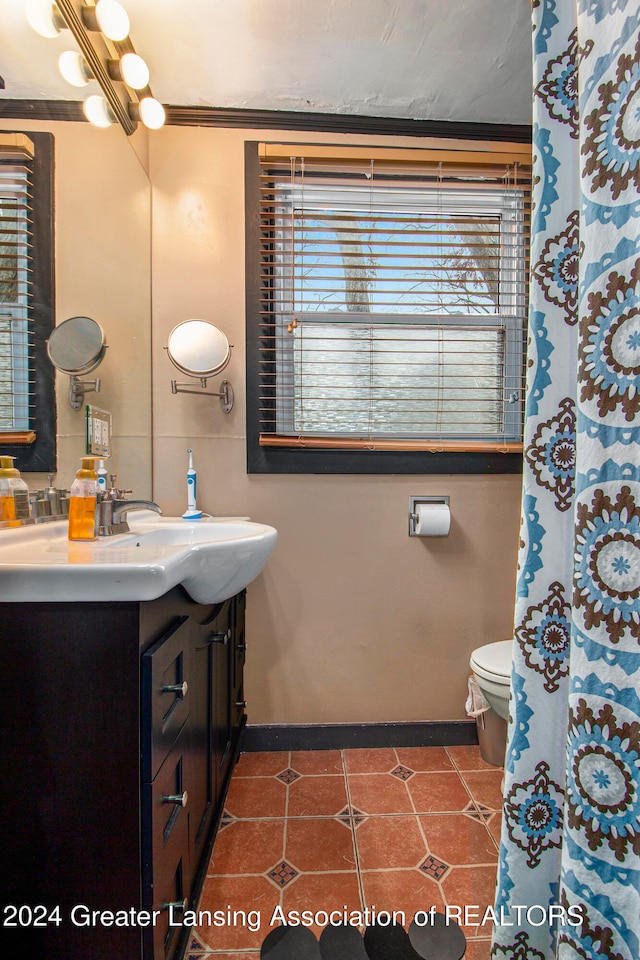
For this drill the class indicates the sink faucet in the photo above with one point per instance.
(112, 514)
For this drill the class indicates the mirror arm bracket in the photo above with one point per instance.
(225, 393)
(78, 388)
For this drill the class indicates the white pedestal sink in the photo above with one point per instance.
(212, 558)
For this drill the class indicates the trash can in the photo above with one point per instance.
(492, 729)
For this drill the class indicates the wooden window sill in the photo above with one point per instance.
(432, 446)
(17, 437)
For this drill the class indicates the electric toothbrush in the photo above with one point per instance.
(192, 512)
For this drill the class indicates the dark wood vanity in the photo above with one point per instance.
(121, 726)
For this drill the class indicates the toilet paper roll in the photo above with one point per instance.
(432, 520)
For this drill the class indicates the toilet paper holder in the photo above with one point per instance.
(413, 513)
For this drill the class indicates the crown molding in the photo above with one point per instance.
(286, 120)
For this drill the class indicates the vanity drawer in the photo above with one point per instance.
(165, 695)
(166, 868)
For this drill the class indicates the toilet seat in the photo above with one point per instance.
(493, 661)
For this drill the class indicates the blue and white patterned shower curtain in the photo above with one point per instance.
(571, 828)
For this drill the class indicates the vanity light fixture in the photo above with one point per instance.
(107, 16)
(97, 111)
(44, 17)
(150, 111)
(74, 68)
(101, 30)
(130, 69)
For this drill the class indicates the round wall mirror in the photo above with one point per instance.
(198, 348)
(77, 346)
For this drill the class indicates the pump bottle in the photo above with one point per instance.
(14, 493)
(82, 502)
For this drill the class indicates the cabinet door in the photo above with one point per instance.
(201, 764)
(237, 700)
(221, 699)
(209, 721)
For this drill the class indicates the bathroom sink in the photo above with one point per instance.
(212, 558)
(171, 530)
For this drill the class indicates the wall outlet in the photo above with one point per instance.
(98, 432)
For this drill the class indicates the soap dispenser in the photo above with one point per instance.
(82, 502)
(14, 493)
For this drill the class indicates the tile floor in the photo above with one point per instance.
(398, 829)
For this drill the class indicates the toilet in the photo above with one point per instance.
(491, 666)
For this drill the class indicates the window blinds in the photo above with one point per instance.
(16, 219)
(393, 297)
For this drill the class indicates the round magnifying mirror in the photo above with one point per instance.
(77, 346)
(198, 348)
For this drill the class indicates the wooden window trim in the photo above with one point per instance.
(35, 449)
(277, 454)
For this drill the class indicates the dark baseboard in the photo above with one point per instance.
(343, 736)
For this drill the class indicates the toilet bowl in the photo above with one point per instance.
(491, 665)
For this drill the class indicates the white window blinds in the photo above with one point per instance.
(393, 297)
(16, 195)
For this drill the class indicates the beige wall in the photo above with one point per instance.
(102, 270)
(352, 620)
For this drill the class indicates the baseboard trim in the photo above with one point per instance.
(341, 736)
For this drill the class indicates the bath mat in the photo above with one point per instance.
(342, 942)
(388, 943)
(439, 940)
(290, 943)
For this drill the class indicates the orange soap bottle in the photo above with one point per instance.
(14, 493)
(82, 502)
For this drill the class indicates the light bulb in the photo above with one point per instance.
(44, 17)
(97, 111)
(151, 113)
(134, 71)
(112, 19)
(74, 68)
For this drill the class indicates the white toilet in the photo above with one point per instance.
(491, 665)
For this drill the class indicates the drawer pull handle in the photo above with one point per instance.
(179, 798)
(176, 904)
(241, 703)
(181, 688)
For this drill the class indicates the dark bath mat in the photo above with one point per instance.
(438, 940)
(290, 943)
(342, 942)
(388, 943)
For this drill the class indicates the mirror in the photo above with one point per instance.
(199, 349)
(102, 270)
(102, 220)
(77, 346)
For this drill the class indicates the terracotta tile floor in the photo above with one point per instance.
(396, 829)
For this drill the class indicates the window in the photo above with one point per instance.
(27, 403)
(391, 305)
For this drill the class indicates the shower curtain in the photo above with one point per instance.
(569, 867)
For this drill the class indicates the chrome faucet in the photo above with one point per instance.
(112, 510)
(112, 514)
